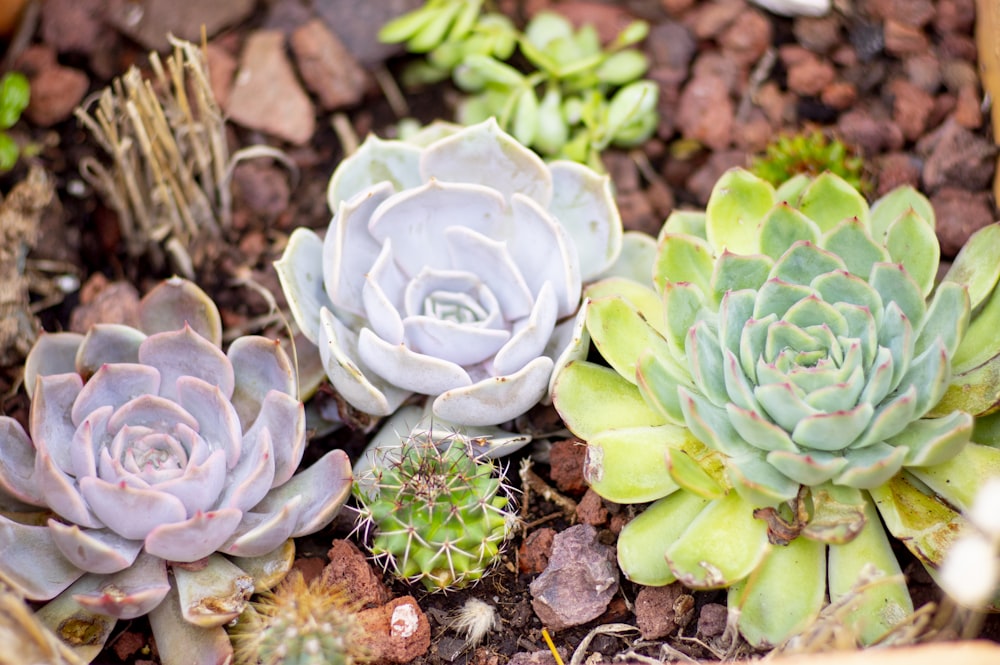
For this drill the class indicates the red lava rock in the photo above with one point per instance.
(747, 38)
(397, 632)
(221, 68)
(676, 7)
(839, 95)
(708, 19)
(924, 71)
(654, 610)
(957, 73)
(911, 108)
(705, 112)
(712, 619)
(128, 644)
(661, 198)
(357, 25)
(954, 45)
(778, 106)
(960, 213)
(902, 39)
(591, 509)
(262, 188)
(533, 555)
(578, 583)
(637, 213)
(809, 76)
(895, 169)
(917, 13)
(720, 65)
(672, 45)
(954, 15)
(151, 21)
(266, 95)
(793, 54)
(869, 134)
(102, 301)
(968, 112)
(328, 69)
(819, 34)
(311, 567)
(72, 25)
(350, 570)
(956, 157)
(55, 90)
(566, 460)
(753, 133)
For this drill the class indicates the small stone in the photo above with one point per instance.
(924, 71)
(578, 583)
(778, 106)
(533, 555)
(327, 68)
(911, 108)
(955, 157)
(810, 76)
(221, 68)
(960, 213)
(747, 38)
(957, 73)
(705, 112)
(672, 45)
(954, 45)
(955, 16)
(267, 96)
(869, 134)
(543, 657)
(150, 21)
(356, 24)
(654, 610)
(397, 632)
(902, 39)
(819, 34)
(967, 112)
(55, 90)
(720, 65)
(916, 13)
(566, 461)
(753, 133)
(637, 213)
(712, 620)
(590, 510)
(72, 25)
(349, 569)
(708, 19)
(896, 169)
(839, 95)
(261, 188)
(102, 301)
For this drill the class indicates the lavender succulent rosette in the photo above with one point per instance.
(452, 268)
(153, 450)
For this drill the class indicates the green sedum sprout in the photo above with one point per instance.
(810, 153)
(771, 392)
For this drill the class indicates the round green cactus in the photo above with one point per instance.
(771, 391)
(300, 623)
(439, 513)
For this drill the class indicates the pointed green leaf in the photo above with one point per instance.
(871, 466)
(738, 204)
(810, 469)
(691, 476)
(892, 206)
(791, 190)
(838, 514)
(756, 430)
(784, 595)
(783, 404)
(711, 425)
(783, 227)
(981, 341)
(978, 264)
(844, 287)
(851, 242)
(912, 242)
(830, 199)
(683, 258)
(735, 272)
(929, 372)
(684, 222)
(882, 604)
(833, 431)
(642, 542)
(641, 297)
(812, 311)
(804, 262)
(776, 297)
(759, 483)
(723, 545)
(621, 334)
(959, 479)
(932, 441)
(658, 378)
(890, 418)
(524, 125)
(582, 385)
(683, 306)
(735, 311)
(896, 334)
(895, 285)
(704, 359)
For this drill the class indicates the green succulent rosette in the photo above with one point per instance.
(772, 392)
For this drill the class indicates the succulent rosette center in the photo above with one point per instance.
(451, 269)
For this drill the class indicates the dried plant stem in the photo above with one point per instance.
(532, 481)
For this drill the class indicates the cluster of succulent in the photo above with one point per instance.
(810, 153)
(158, 478)
(452, 268)
(15, 93)
(580, 98)
(299, 623)
(775, 390)
(439, 511)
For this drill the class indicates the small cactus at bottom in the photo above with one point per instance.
(300, 623)
(439, 513)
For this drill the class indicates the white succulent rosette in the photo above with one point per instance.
(159, 476)
(452, 268)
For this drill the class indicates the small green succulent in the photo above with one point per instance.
(300, 623)
(773, 395)
(15, 92)
(809, 153)
(439, 511)
(579, 99)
